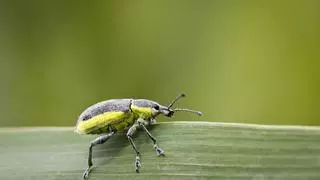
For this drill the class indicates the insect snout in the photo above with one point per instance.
(167, 112)
(171, 112)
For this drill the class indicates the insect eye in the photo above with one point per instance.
(156, 107)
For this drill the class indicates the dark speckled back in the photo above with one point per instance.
(145, 103)
(122, 105)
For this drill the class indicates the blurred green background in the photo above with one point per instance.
(237, 61)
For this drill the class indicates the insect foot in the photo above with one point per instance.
(137, 164)
(159, 151)
(86, 173)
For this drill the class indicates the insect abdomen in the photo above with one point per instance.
(100, 122)
(100, 117)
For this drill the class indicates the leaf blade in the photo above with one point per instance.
(193, 151)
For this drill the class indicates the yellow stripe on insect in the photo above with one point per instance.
(99, 121)
(143, 111)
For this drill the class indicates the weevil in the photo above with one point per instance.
(123, 116)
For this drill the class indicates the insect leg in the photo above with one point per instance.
(99, 140)
(143, 124)
(130, 132)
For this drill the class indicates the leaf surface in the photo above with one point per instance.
(194, 150)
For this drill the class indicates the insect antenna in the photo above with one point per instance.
(176, 99)
(188, 110)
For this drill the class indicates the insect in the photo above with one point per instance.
(123, 116)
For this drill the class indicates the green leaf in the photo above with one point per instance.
(194, 150)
